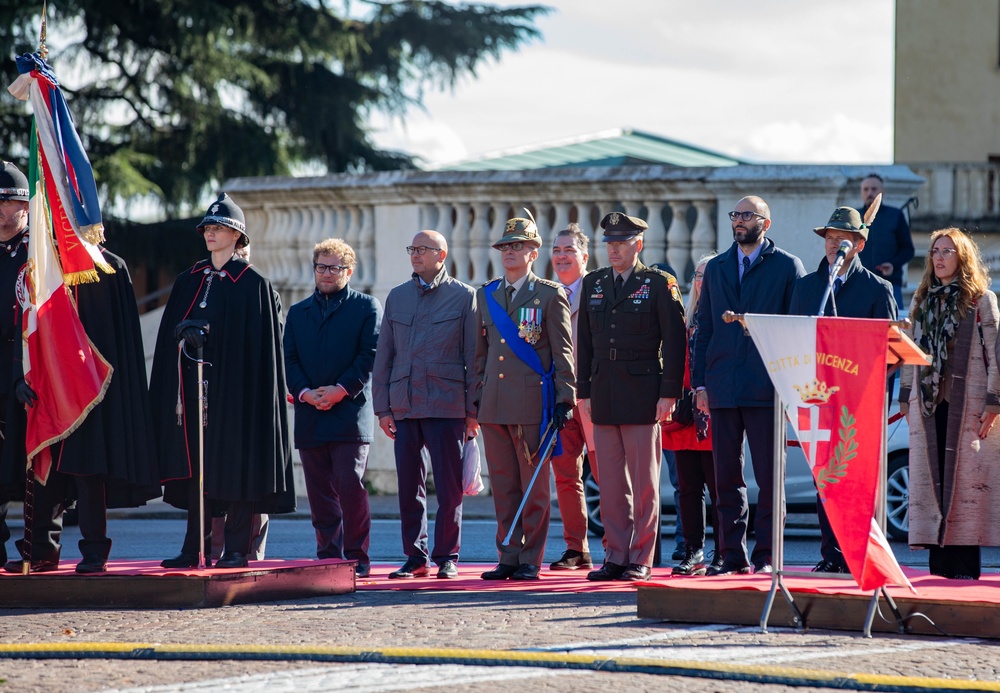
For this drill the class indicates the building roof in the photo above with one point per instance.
(621, 147)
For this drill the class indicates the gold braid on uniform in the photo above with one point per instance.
(524, 445)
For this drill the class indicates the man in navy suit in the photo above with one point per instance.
(330, 341)
(733, 386)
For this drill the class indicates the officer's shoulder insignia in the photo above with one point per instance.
(549, 283)
(662, 273)
(675, 291)
(495, 279)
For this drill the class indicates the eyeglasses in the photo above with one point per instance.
(419, 249)
(696, 277)
(943, 253)
(329, 269)
(745, 216)
(515, 246)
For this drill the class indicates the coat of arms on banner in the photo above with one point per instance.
(818, 419)
(529, 324)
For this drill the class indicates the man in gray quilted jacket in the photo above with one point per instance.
(423, 390)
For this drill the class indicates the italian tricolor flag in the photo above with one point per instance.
(830, 374)
(60, 364)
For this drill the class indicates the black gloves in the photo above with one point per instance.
(24, 393)
(192, 332)
(561, 415)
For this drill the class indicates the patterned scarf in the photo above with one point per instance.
(935, 323)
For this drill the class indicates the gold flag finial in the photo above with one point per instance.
(43, 50)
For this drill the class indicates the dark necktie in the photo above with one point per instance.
(836, 284)
(619, 285)
(510, 296)
(746, 268)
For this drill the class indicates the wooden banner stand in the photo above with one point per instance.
(901, 350)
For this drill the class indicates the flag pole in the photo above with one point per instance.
(29, 472)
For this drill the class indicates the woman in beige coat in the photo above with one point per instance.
(952, 406)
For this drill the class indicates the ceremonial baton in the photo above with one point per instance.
(543, 458)
(202, 406)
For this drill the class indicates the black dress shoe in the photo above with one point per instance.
(185, 560)
(635, 573)
(411, 569)
(609, 571)
(572, 560)
(363, 570)
(91, 566)
(828, 566)
(526, 571)
(730, 569)
(501, 572)
(17, 566)
(233, 560)
(447, 570)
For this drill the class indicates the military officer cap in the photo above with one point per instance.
(519, 229)
(619, 226)
(227, 213)
(844, 219)
(13, 184)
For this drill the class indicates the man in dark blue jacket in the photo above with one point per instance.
(330, 341)
(857, 293)
(890, 245)
(753, 276)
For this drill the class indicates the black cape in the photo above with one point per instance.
(116, 439)
(13, 456)
(247, 453)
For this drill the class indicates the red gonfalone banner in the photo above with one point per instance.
(830, 374)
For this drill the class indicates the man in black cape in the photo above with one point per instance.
(110, 461)
(247, 456)
(13, 256)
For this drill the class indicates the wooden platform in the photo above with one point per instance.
(144, 585)
(952, 608)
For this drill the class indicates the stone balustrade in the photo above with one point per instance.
(957, 193)
(378, 214)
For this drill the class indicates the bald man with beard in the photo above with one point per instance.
(423, 388)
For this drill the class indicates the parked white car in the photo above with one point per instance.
(800, 492)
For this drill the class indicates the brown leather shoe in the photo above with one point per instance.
(572, 560)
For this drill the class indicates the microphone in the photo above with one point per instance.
(842, 251)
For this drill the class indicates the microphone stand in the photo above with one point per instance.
(828, 294)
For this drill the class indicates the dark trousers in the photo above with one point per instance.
(950, 561)
(47, 517)
(338, 500)
(237, 527)
(444, 440)
(728, 427)
(4, 531)
(695, 472)
(829, 547)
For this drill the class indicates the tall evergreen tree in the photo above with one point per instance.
(174, 96)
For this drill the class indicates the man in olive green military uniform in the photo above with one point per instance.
(524, 364)
(630, 366)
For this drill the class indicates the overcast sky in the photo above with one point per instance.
(765, 80)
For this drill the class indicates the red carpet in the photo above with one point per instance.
(152, 569)
(929, 587)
